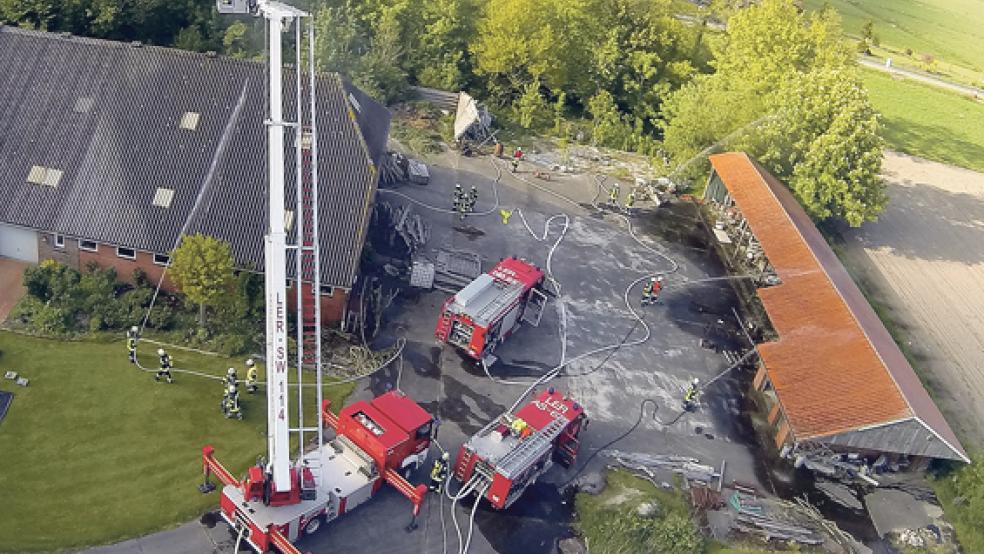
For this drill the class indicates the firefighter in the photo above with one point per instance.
(230, 403)
(165, 369)
(630, 203)
(459, 196)
(505, 215)
(517, 157)
(647, 292)
(131, 343)
(690, 397)
(439, 473)
(231, 377)
(251, 376)
(472, 199)
(657, 287)
(613, 195)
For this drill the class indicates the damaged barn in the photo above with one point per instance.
(841, 397)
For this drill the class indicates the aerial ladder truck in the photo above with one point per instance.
(283, 498)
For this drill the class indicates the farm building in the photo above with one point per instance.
(109, 151)
(834, 375)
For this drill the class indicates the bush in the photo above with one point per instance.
(230, 345)
(51, 280)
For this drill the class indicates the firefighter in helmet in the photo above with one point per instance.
(251, 376)
(165, 368)
(230, 404)
(132, 335)
(439, 473)
(231, 377)
(690, 397)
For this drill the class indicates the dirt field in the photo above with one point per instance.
(923, 262)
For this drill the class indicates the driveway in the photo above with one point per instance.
(923, 260)
(11, 285)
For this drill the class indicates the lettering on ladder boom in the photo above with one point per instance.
(280, 362)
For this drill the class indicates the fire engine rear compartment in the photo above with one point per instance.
(344, 478)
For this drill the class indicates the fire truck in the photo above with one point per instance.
(512, 451)
(489, 309)
(284, 497)
(375, 442)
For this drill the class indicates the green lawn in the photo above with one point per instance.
(928, 122)
(951, 30)
(94, 451)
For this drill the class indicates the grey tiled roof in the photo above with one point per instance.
(115, 155)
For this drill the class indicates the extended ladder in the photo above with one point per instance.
(531, 448)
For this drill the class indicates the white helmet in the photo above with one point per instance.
(134, 329)
(232, 371)
(445, 456)
(250, 362)
(696, 381)
(659, 279)
(160, 351)
(654, 279)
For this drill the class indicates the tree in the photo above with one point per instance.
(607, 126)
(234, 40)
(787, 91)
(202, 268)
(190, 38)
(530, 107)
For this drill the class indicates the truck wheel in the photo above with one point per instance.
(312, 526)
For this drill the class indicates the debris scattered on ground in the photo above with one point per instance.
(839, 493)
(12, 375)
(689, 468)
(22, 381)
(407, 231)
(393, 169)
(591, 483)
(454, 269)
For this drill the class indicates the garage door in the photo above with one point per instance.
(19, 244)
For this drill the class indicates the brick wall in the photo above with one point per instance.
(68, 254)
(332, 307)
(106, 257)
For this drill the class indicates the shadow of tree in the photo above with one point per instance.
(925, 222)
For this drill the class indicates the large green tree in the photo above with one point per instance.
(787, 90)
(202, 268)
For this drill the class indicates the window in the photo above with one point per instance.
(289, 283)
(40, 175)
(163, 197)
(59, 241)
(84, 104)
(327, 290)
(288, 219)
(162, 259)
(189, 121)
(89, 245)
(127, 253)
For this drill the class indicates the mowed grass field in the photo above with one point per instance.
(951, 30)
(94, 451)
(928, 122)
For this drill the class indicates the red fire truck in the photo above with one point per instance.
(487, 311)
(375, 442)
(512, 451)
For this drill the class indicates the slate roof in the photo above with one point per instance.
(835, 367)
(117, 153)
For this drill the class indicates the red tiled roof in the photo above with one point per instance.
(835, 367)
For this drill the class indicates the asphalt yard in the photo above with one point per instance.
(594, 258)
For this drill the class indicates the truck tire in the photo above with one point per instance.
(312, 526)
